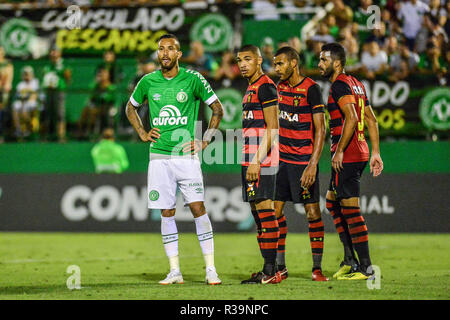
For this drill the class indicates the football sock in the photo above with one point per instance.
(281, 242)
(359, 234)
(316, 236)
(169, 234)
(268, 239)
(205, 238)
(334, 207)
(257, 221)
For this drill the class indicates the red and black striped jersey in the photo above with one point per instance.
(259, 95)
(347, 89)
(297, 105)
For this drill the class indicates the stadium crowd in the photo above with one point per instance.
(410, 38)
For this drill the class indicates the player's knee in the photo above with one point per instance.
(197, 209)
(313, 212)
(167, 212)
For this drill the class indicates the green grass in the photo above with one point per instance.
(129, 266)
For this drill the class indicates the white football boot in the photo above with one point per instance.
(174, 276)
(211, 276)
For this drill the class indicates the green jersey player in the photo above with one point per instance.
(174, 95)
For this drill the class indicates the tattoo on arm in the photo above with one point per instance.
(217, 115)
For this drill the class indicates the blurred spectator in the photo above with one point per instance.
(55, 79)
(311, 55)
(435, 60)
(378, 34)
(109, 63)
(438, 12)
(267, 53)
(294, 42)
(411, 14)
(228, 68)
(402, 61)
(199, 60)
(95, 117)
(6, 77)
(266, 10)
(109, 156)
(144, 67)
(374, 60)
(350, 44)
(323, 34)
(342, 12)
(361, 15)
(26, 104)
(333, 28)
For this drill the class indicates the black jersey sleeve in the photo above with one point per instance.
(340, 89)
(267, 95)
(314, 98)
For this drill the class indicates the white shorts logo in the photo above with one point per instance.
(169, 115)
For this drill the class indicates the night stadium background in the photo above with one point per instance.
(56, 210)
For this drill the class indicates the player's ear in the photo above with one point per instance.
(260, 60)
(179, 54)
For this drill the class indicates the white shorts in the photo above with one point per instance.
(24, 106)
(165, 175)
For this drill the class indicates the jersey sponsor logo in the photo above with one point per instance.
(169, 115)
(202, 78)
(289, 116)
(247, 115)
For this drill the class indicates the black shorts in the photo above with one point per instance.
(262, 189)
(345, 184)
(289, 187)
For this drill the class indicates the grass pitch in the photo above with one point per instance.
(129, 266)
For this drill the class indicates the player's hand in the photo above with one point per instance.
(194, 146)
(253, 172)
(337, 160)
(151, 136)
(309, 176)
(376, 164)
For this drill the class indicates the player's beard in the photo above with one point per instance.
(328, 72)
(168, 67)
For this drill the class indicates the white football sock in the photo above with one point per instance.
(169, 234)
(205, 237)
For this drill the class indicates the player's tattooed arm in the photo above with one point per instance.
(196, 145)
(217, 115)
(348, 129)
(136, 122)
(376, 164)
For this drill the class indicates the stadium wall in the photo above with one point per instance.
(51, 187)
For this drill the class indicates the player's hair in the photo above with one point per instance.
(108, 133)
(170, 36)
(252, 48)
(336, 50)
(290, 53)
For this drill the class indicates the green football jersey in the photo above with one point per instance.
(174, 105)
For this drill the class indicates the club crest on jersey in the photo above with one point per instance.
(296, 101)
(289, 116)
(182, 96)
(169, 115)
